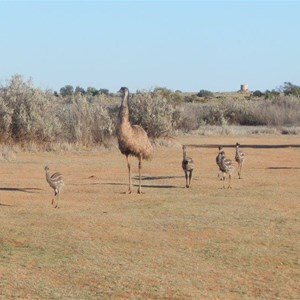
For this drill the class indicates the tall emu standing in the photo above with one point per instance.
(132, 139)
(56, 181)
(239, 158)
(187, 166)
(226, 168)
(218, 161)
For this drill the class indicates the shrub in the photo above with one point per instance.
(279, 111)
(271, 94)
(258, 93)
(174, 97)
(291, 89)
(153, 112)
(205, 94)
(67, 90)
(31, 115)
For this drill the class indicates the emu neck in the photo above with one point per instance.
(124, 113)
(184, 154)
(47, 176)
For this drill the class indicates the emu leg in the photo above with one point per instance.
(220, 175)
(56, 206)
(241, 170)
(140, 167)
(53, 199)
(186, 179)
(229, 177)
(190, 177)
(129, 173)
(223, 180)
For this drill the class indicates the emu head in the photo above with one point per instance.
(123, 90)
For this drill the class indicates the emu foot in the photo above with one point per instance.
(127, 192)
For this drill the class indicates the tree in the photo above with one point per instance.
(67, 90)
(104, 91)
(271, 94)
(79, 90)
(92, 91)
(291, 89)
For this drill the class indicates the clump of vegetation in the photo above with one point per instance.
(29, 115)
(271, 94)
(154, 112)
(205, 94)
(68, 90)
(279, 111)
(258, 93)
(291, 89)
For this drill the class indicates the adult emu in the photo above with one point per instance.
(132, 139)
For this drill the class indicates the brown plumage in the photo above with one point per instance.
(218, 161)
(132, 139)
(226, 167)
(56, 181)
(188, 167)
(239, 158)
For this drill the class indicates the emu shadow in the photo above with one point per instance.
(283, 168)
(159, 186)
(109, 183)
(156, 177)
(254, 146)
(22, 190)
(1, 204)
(144, 186)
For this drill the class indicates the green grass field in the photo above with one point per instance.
(169, 243)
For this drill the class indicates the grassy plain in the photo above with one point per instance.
(169, 243)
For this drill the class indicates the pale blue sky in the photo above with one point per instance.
(184, 45)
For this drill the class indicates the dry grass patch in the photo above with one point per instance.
(170, 243)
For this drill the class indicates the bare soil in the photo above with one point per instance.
(168, 243)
